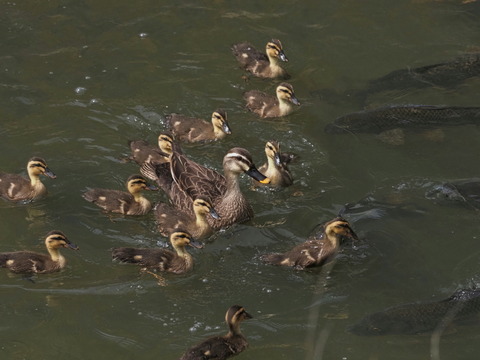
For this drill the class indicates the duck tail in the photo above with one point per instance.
(272, 259)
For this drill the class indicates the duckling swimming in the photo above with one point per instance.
(131, 203)
(169, 218)
(177, 262)
(266, 105)
(276, 168)
(185, 180)
(189, 129)
(261, 64)
(317, 250)
(143, 152)
(14, 187)
(222, 347)
(29, 262)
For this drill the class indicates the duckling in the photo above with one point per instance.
(143, 152)
(318, 249)
(16, 188)
(222, 347)
(276, 166)
(185, 180)
(260, 64)
(177, 262)
(188, 129)
(266, 105)
(169, 218)
(131, 203)
(35, 263)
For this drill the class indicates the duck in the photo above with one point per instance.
(265, 105)
(263, 65)
(178, 261)
(190, 129)
(169, 218)
(276, 168)
(29, 262)
(222, 347)
(142, 151)
(184, 180)
(121, 202)
(319, 249)
(15, 187)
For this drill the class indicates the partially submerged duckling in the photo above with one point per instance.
(264, 65)
(266, 105)
(222, 347)
(143, 152)
(189, 129)
(169, 218)
(16, 188)
(177, 262)
(318, 249)
(29, 262)
(116, 201)
(276, 168)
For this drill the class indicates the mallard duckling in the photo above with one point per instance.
(276, 166)
(30, 262)
(318, 249)
(177, 262)
(260, 64)
(16, 188)
(185, 180)
(169, 218)
(222, 347)
(266, 105)
(143, 152)
(116, 201)
(189, 129)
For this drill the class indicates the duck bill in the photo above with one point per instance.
(277, 159)
(282, 56)
(72, 246)
(49, 173)
(257, 175)
(352, 234)
(247, 316)
(226, 129)
(214, 214)
(196, 244)
(151, 187)
(294, 100)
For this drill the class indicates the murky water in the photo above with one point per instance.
(80, 78)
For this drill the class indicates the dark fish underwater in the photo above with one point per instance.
(404, 117)
(445, 75)
(417, 318)
(465, 192)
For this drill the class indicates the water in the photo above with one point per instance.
(80, 78)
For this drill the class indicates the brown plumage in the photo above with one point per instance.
(116, 201)
(14, 187)
(178, 261)
(29, 262)
(189, 129)
(264, 65)
(169, 219)
(222, 347)
(265, 105)
(276, 168)
(184, 180)
(144, 152)
(317, 250)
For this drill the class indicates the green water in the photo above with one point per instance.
(78, 79)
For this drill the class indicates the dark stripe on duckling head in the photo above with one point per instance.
(185, 238)
(58, 235)
(288, 90)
